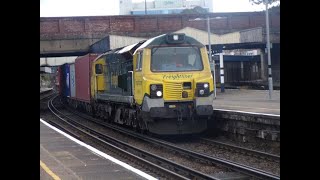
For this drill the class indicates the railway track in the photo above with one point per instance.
(242, 150)
(46, 94)
(169, 168)
(245, 156)
(143, 158)
(44, 98)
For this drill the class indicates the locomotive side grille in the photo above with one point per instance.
(173, 90)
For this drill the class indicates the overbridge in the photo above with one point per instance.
(72, 36)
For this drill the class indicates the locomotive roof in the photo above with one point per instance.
(127, 48)
(161, 39)
(155, 41)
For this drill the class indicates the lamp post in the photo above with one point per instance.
(209, 45)
(145, 7)
(210, 57)
(269, 54)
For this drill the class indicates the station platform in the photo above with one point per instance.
(247, 100)
(64, 157)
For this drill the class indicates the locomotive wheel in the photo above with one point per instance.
(142, 127)
(134, 125)
(109, 120)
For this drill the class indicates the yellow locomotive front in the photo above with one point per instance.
(173, 84)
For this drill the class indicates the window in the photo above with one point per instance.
(139, 62)
(98, 68)
(167, 59)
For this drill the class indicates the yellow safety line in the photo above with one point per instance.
(53, 175)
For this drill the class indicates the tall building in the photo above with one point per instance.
(125, 7)
(161, 6)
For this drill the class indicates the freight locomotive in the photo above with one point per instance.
(162, 85)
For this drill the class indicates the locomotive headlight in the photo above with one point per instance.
(202, 89)
(156, 90)
(159, 93)
(153, 87)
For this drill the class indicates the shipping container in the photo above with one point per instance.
(62, 80)
(82, 75)
(65, 80)
(72, 81)
(58, 77)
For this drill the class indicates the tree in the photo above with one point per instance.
(262, 1)
(273, 9)
(195, 10)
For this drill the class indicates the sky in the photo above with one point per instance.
(56, 8)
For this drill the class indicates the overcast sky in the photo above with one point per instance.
(56, 8)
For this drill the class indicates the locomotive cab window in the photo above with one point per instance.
(139, 62)
(178, 59)
(98, 68)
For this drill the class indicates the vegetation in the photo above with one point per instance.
(195, 10)
(262, 1)
(273, 9)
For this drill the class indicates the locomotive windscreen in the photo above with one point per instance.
(177, 59)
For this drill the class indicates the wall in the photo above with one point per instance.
(150, 25)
